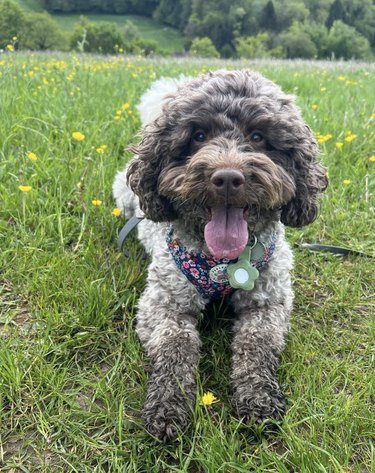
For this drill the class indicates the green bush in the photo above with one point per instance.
(344, 42)
(318, 34)
(91, 37)
(12, 20)
(203, 47)
(298, 44)
(130, 32)
(250, 47)
(41, 32)
(144, 47)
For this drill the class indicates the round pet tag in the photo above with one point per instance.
(219, 273)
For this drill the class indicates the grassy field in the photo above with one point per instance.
(167, 38)
(72, 372)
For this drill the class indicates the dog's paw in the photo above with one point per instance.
(260, 403)
(165, 420)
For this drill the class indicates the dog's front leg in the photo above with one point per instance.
(172, 342)
(259, 335)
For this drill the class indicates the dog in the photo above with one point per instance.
(224, 162)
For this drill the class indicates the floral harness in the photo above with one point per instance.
(207, 273)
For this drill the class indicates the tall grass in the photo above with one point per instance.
(72, 372)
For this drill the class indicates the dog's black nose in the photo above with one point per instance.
(227, 182)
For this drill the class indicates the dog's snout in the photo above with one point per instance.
(227, 181)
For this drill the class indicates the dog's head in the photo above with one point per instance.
(227, 147)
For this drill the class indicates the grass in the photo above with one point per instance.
(73, 374)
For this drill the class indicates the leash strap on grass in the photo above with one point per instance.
(337, 250)
(126, 229)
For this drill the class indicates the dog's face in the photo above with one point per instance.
(227, 148)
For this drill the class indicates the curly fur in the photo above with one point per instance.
(170, 180)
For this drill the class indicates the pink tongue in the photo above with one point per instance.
(226, 234)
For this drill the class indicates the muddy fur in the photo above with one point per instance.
(237, 121)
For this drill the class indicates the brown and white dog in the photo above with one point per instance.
(225, 161)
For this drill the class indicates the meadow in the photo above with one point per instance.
(72, 372)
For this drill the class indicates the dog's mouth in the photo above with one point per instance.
(226, 233)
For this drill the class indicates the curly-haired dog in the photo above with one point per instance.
(225, 160)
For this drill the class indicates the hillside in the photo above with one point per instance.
(167, 37)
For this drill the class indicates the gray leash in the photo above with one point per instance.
(337, 250)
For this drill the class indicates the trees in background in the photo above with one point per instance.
(119, 7)
(40, 33)
(203, 47)
(295, 28)
(107, 38)
(235, 28)
(28, 30)
(11, 21)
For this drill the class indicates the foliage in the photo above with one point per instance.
(268, 18)
(144, 47)
(229, 24)
(92, 37)
(173, 12)
(346, 43)
(298, 44)
(130, 32)
(41, 32)
(135, 7)
(251, 47)
(203, 47)
(318, 34)
(12, 20)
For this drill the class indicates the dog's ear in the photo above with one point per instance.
(144, 169)
(310, 179)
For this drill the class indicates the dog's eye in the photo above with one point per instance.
(256, 137)
(199, 136)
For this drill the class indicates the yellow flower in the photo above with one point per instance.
(10, 47)
(78, 136)
(339, 144)
(25, 188)
(117, 117)
(323, 138)
(350, 138)
(372, 116)
(341, 78)
(116, 212)
(97, 202)
(125, 106)
(208, 398)
(323, 89)
(346, 182)
(101, 149)
(120, 50)
(14, 38)
(32, 156)
(314, 106)
(372, 159)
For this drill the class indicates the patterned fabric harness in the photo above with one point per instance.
(207, 273)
